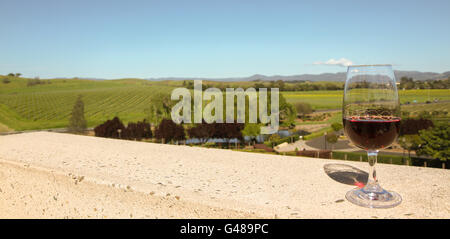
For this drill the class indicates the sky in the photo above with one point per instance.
(216, 39)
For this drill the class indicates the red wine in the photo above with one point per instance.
(371, 133)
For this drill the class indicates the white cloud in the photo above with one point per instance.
(341, 62)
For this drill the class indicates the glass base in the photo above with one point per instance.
(379, 198)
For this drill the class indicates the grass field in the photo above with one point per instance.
(323, 100)
(45, 106)
(415, 108)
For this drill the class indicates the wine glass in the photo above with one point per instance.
(371, 118)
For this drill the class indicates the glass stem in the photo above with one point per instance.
(372, 181)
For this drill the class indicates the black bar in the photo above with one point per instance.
(225, 228)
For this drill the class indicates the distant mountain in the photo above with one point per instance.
(421, 76)
(340, 76)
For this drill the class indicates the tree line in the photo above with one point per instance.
(115, 129)
(169, 132)
(405, 83)
(165, 130)
(280, 84)
(409, 83)
(160, 107)
(37, 81)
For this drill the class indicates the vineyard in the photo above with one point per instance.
(49, 103)
(50, 106)
(323, 100)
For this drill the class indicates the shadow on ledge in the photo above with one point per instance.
(346, 174)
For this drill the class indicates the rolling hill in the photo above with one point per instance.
(339, 77)
(49, 103)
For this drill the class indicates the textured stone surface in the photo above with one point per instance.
(61, 175)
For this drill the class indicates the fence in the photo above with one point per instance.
(326, 154)
(264, 147)
(382, 158)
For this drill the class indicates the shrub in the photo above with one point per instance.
(228, 131)
(115, 129)
(167, 131)
(274, 137)
(332, 138)
(413, 126)
(205, 131)
(251, 130)
(337, 126)
(303, 108)
(6, 80)
(202, 131)
(276, 140)
(137, 131)
(110, 129)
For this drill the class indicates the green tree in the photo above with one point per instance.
(337, 126)
(435, 142)
(274, 137)
(77, 121)
(332, 138)
(251, 130)
(288, 113)
(202, 132)
(303, 108)
(168, 131)
(159, 109)
(259, 85)
(407, 83)
(281, 85)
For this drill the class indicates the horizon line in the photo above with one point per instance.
(210, 78)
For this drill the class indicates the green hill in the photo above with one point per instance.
(48, 105)
(41, 104)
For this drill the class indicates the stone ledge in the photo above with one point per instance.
(165, 181)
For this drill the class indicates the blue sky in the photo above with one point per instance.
(115, 39)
